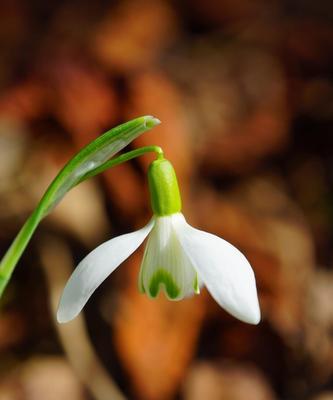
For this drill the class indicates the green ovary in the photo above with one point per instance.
(163, 277)
(163, 187)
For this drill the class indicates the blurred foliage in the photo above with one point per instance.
(245, 93)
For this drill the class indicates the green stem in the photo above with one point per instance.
(16, 249)
(123, 158)
(14, 253)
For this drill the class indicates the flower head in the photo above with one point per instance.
(178, 259)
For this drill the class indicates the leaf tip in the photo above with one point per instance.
(151, 121)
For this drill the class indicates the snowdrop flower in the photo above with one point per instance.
(178, 258)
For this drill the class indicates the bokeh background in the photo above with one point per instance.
(245, 94)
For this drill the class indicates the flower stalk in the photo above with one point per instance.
(123, 158)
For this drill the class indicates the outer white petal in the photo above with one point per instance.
(224, 270)
(95, 268)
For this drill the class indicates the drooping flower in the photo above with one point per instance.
(178, 259)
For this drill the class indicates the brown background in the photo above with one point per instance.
(245, 94)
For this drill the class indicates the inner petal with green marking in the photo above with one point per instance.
(165, 266)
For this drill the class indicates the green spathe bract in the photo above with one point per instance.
(164, 190)
(90, 161)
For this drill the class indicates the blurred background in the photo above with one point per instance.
(245, 93)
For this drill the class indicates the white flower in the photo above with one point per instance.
(179, 259)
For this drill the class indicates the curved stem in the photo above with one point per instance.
(14, 253)
(123, 158)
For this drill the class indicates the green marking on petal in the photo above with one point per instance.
(163, 277)
(196, 284)
(140, 282)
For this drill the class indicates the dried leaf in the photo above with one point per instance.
(133, 34)
(155, 338)
(227, 382)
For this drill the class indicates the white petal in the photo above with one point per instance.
(224, 270)
(165, 264)
(95, 268)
